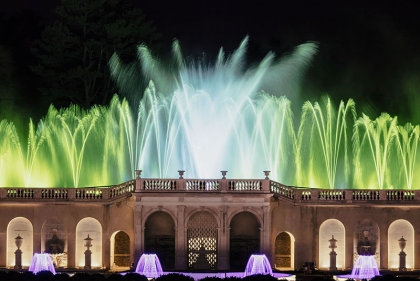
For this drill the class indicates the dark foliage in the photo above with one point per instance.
(115, 277)
(320, 278)
(73, 53)
(134, 277)
(212, 278)
(81, 276)
(259, 277)
(97, 277)
(232, 278)
(174, 276)
(61, 277)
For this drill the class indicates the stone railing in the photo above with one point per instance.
(328, 196)
(201, 185)
(266, 186)
(69, 194)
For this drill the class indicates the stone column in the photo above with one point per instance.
(223, 233)
(138, 229)
(106, 248)
(265, 232)
(180, 239)
(3, 248)
(36, 242)
(71, 250)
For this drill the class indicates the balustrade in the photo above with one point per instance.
(303, 195)
(202, 185)
(244, 185)
(159, 184)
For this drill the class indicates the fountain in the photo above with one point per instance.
(258, 264)
(187, 116)
(149, 266)
(365, 267)
(41, 262)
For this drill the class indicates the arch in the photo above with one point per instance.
(204, 209)
(89, 227)
(159, 209)
(202, 235)
(54, 228)
(120, 255)
(400, 229)
(159, 238)
(332, 228)
(249, 210)
(22, 227)
(367, 230)
(284, 251)
(244, 239)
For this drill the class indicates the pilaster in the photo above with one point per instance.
(181, 247)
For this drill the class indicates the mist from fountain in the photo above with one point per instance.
(41, 262)
(149, 266)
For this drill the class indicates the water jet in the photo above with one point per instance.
(149, 266)
(41, 262)
(258, 264)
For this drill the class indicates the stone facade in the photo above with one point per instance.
(211, 224)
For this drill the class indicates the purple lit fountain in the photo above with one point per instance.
(149, 266)
(365, 266)
(258, 264)
(41, 262)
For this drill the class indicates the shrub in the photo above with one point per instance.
(174, 277)
(131, 276)
(259, 277)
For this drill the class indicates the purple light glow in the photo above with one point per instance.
(364, 268)
(149, 266)
(258, 264)
(41, 262)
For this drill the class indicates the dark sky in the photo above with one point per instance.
(368, 50)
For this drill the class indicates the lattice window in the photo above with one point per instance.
(202, 241)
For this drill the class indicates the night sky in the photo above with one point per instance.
(368, 50)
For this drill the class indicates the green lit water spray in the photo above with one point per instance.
(206, 118)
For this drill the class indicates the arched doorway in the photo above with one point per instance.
(202, 241)
(20, 227)
(120, 249)
(244, 239)
(159, 238)
(284, 249)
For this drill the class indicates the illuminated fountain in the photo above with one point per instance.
(204, 119)
(258, 264)
(365, 266)
(41, 262)
(149, 266)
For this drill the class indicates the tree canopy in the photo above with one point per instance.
(73, 53)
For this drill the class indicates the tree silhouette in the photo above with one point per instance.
(73, 53)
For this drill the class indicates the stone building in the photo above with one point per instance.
(195, 224)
